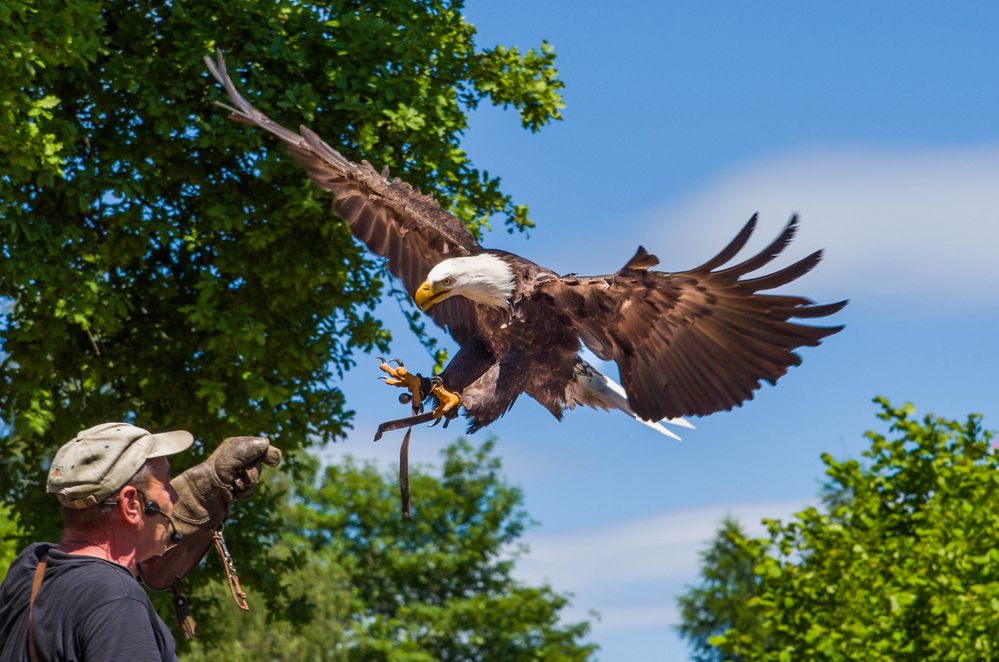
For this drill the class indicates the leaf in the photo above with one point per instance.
(47, 102)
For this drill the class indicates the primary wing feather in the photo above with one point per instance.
(699, 341)
(393, 220)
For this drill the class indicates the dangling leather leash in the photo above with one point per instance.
(183, 614)
(235, 590)
(404, 474)
(36, 584)
(181, 610)
(408, 423)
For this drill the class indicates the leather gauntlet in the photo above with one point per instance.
(205, 493)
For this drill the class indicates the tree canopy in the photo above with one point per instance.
(899, 563)
(368, 585)
(166, 266)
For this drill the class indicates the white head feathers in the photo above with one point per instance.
(485, 279)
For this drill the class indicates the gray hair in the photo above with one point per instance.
(96, 517)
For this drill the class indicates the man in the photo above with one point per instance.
(124, 521)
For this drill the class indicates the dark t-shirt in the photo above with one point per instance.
(87, 609)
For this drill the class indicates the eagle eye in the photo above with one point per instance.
(448, 282)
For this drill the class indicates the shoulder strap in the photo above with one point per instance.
(35, 585)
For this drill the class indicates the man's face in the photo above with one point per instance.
(157, 528)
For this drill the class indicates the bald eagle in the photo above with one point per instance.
(686, 343)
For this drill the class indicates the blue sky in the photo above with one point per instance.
(876, 122)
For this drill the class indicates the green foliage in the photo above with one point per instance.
(719, 603)
(39, 35)
(163, 264)
(12, 541)
(900, 563)
(371, 586)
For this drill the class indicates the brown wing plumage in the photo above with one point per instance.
(699, 341)
(394, 221)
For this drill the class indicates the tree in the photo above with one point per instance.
(164, 265)
(719, 603)
(899, 563)
(371, 586)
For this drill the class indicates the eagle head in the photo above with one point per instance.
(485, 279)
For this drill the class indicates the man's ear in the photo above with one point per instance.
(130, 504)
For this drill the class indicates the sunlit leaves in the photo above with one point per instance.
(898, 564)
(528, 82)
(39, 35)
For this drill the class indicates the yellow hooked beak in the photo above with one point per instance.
(426, 297)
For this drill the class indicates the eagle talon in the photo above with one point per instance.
(399, 376)
(448, 401)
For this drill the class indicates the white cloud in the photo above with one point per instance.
(662, 546)
(629, 618)
(613, 568)
(894, 225)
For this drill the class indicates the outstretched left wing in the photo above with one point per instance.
(699, 341)
(393, 220)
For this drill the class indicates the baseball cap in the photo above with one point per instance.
(99, 460)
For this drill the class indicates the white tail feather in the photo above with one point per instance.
(594, 389)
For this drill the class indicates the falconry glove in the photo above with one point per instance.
(205, 493)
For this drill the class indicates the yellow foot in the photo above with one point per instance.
(399, 376)
(448, 401)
